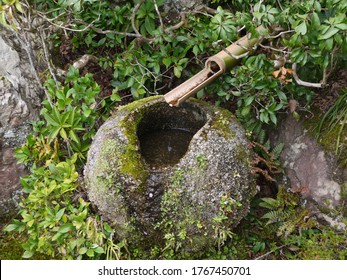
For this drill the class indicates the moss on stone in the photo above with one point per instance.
(109, 151)
(328, 137)
(183, 226)
(138, 103)
(132, 162)
(222, 123)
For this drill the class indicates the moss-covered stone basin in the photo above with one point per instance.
(187, 203)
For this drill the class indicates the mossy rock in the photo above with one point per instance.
(185, 206)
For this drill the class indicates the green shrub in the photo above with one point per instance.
(55, 220)
(304, 44)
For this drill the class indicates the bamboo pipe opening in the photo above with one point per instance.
(214, 67)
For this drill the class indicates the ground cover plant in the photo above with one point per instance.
(134, 50)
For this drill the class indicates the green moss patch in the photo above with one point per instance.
(328, 137)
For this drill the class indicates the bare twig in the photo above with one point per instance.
(45, 52)
(133, 15)
(51, 21)
(303, 83)
(279, 4)
(275, 49)
(207, 9)
(272, 251)
(236, 56)
(159, 15)
(178, 25)
(279, 34)
(80, 63)
(100, 31)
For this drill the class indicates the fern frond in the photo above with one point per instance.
(272, 217)
(286, 228)
(278, 150)
(267, 144)
(269, 203)
(261, 136)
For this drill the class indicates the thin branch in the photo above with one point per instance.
(207, 9)
(274, 49)
(45, 52)
(272, 251)
(178, 25)
(43, 15)
(279, 4)
(80, 63)
(159, 15)
(100, 31)
(303, 83)
(279, 34)
(136, 8)
(64, 27)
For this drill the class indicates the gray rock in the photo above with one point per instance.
(19, 106)
(311, 170)
(10, 193)
(188, 205)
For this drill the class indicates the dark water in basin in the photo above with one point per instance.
(164, 147)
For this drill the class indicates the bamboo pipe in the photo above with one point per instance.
(214, 67)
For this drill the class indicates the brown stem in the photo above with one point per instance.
(303, 83)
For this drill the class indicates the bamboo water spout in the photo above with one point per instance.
(214, 67)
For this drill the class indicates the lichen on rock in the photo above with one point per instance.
(183, 206)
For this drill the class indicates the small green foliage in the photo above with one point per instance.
(318, 244)
(54, 220)
(223, 26)
(202, 161)
(68, 122)
(285, 213)
(54, 224)
(222, 231)
(8, 10)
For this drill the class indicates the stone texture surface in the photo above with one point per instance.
(311, 170)
(173, 8)
(19, 105)
(195, 201)
(10, 194)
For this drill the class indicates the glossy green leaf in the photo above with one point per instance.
(149, 24)
(51, 120)
(245, 111)
(66, 228)
(63, 133)
(317, 6)
(342, 26)
(90, 253)
(315, 20)
(27, 254)
(296, 115)
(167, 61)
(329, 33)
(249, 100)
(177, 71)
(82, 250)
(59, 214)
(99, 250)
(10, 227)
(301, 28)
